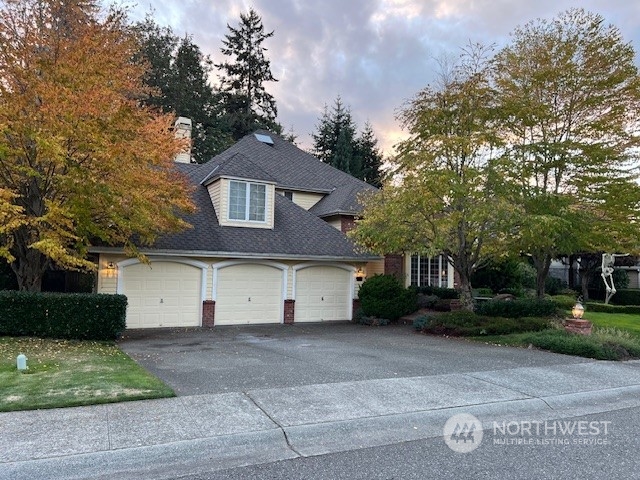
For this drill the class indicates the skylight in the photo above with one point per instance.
(264, 138)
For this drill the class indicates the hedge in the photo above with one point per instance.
(62, 315)
(440, 292)
(464, 323)
(601, 307)
(518, 308)
(626, 296)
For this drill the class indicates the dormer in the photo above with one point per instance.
(241, 193)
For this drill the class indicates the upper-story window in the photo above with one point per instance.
(247, 201)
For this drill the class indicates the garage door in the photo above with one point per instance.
(248, 293)
(322, 294)
(163, 294)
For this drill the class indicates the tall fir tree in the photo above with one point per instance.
(178, 72)
(368, 156)
(247, 105)
(335, 143)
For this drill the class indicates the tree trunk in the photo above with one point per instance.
(541, 265)
(584, 285)
(572, 271)
(466, 293)
(29, 264)
(29, 276)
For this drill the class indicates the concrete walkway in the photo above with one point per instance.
(203, 433)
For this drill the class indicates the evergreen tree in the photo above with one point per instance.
(334, 142)
(368, 157)
(343, 155)
(247, 105)
(178, 74)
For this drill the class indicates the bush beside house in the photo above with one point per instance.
(383, 296)
(58, 315)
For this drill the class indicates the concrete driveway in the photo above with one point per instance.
(238, 359)
(257, 395)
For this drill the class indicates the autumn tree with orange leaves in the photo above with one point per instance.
(81, 160)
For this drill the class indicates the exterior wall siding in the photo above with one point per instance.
(335, 222)
(214, 193)
(375, 268)
(306, 200)
(223, 213)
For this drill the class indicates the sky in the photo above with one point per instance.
(375, 54)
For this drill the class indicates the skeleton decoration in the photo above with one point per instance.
(608, 259)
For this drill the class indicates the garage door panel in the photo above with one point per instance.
(164, 294)
(323, 293)
(247, 294)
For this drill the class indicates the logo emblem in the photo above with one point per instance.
(463, 433)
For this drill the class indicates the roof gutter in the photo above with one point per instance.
(217, 254)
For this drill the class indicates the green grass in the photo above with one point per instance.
(622, 321)
(65, 373)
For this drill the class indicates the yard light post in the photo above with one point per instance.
(577, 324)
(577, 311)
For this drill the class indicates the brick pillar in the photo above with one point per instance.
(356, 306)
(208, 312)
(347, 224)
(289, 311)
(393, 265)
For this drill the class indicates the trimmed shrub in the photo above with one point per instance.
(421, 322)
(599, 346)
(426, 301)
(601, 307)
(465, 324)
(626, 297)
(482, 292)
(506, 273)
(564, 302)
(361, 319)
(442, 305)
(62, 315)
(440, 292)
(518, 308)
(383, 296)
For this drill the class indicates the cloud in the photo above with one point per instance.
(374, 53)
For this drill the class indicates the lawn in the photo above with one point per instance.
(622, 321)
(65, 373)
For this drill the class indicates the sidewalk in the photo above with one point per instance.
(191, 434)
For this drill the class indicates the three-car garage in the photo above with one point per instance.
(170, 292)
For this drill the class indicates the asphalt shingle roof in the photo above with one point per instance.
(295, 169)
(296, 232)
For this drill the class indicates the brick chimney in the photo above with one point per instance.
(182, 129)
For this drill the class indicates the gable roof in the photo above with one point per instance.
(294, 169)
(296, 234)
(238, 165)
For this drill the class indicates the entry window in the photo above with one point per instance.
(429, 271)
(247, 201)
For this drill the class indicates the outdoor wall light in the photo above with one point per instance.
(111, 265)
(360, 274)
(577, 311)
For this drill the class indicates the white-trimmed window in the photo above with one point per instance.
(247, 201)
(429, 271)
